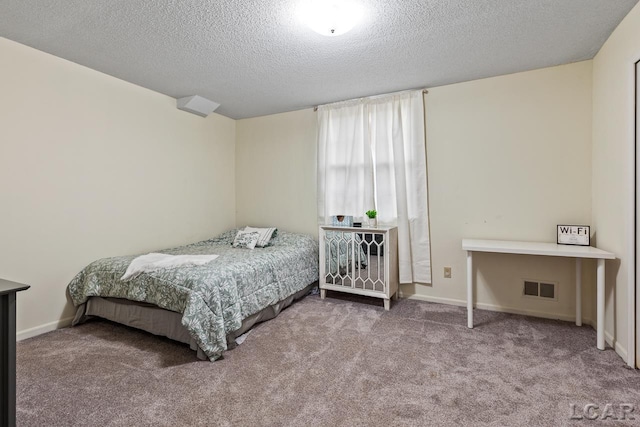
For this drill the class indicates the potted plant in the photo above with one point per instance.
(372, 214)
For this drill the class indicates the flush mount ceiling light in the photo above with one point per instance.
(331, 17)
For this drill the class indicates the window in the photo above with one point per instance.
(371, 155)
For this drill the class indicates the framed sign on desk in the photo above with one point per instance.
(578, 235)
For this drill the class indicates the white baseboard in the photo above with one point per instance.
(498, 308)
(43, 329)
(622, 352)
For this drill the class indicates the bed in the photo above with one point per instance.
(205, 306)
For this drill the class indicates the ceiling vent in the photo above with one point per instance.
(197, 105)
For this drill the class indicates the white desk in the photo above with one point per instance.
(546, 249)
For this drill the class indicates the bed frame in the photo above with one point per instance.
(158, 321)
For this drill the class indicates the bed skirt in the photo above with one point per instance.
(166, 323)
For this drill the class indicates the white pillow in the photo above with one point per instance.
(246, 239)
(265, 235)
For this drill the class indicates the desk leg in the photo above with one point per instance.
(8, 359)
(578, 291)
(600, 304)
(470, 289)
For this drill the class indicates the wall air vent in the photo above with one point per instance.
(539, 289)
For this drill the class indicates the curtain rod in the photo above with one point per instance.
(424, 91)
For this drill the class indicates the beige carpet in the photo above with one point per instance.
(335, 362)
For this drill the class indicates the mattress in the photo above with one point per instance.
(212, 300)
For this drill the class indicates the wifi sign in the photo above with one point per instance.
(574, 235)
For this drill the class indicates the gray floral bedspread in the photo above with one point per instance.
(216, 297)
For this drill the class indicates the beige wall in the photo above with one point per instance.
(276, 171)
(613, 98)
(509, 157)
(92, 166)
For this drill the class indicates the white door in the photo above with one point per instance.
(637, 276)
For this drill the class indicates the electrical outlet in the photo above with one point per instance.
(447, 272)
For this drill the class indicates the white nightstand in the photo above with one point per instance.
(361, 261)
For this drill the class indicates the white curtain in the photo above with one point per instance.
(371, 155)
(345, 169)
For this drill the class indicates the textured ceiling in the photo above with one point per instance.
(255, 57)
